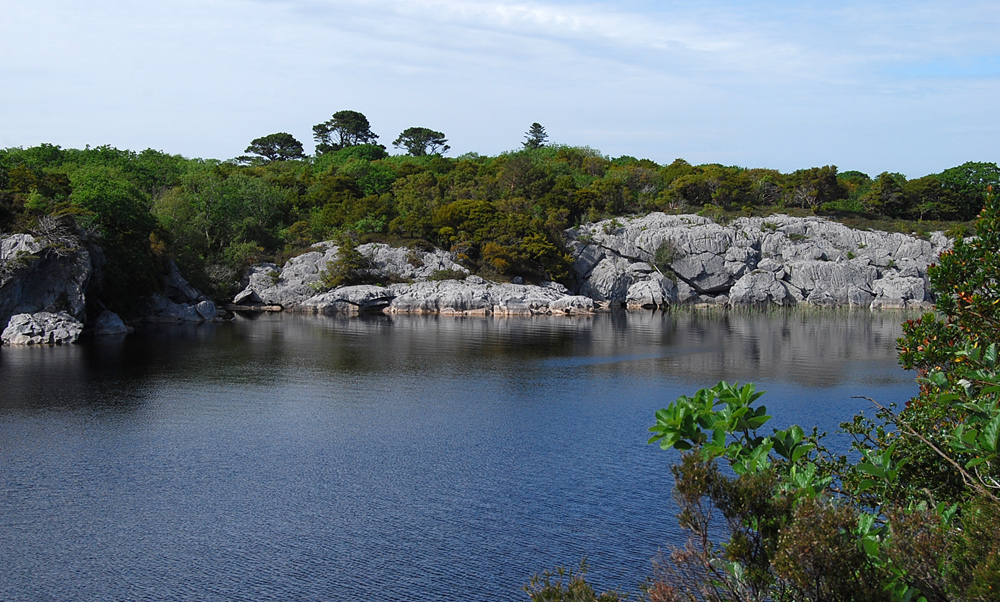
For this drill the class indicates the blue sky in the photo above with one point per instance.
(876, 86)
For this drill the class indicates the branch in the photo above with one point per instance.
(968, 478)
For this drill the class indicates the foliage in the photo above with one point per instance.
(351, 128)
(912, 515)
(119, 212)
(349, 268)
(281, 146)
(505, 216)
(420, 141)
(535, 136)
(559, 586)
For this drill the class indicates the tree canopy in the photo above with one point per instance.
(280, 146)
(345, 129)
(419, 141)
(535, 137)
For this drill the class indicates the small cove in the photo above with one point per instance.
(378, 458)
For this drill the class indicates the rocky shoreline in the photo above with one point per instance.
(655, 261)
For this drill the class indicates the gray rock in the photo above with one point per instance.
(108, 323)
(177, 289)
(760, 289)
(350, 300)
(39, 276)
(655, 292)
(445, 296)
(820, 262)
(464, 297)
(572, 304)
(898, 292)
(42, 328)
(206, 309)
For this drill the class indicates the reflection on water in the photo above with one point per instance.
(382, 458)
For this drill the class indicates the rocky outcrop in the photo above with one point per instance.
(42, 328)
(653, 261)
(773, 261)
(296, 287)
(477, 296)
(179, 302)
(298, 280)
(47, 272)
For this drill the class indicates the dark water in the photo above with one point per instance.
(424, 458)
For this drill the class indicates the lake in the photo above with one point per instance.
(383, 458)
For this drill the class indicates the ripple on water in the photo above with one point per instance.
(380, 459)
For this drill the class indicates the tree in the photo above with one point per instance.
(911, 514)
(276, 147)
(351, 128)
(420, 142)
(535, 136)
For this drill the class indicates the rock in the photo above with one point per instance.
(826, 283)
(446, 296)
(108, 323)
(39, 276)
(297, 281)
(464, 297)
(760, 289)
(899, 292)
(609, 280)
(177, 289)
(350, 300)
(42, 328)
(819, 262)
(206, 309)
(653, 293)
(572, 304)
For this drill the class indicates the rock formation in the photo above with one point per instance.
(656, 260)
(773, 261)
(42, 328)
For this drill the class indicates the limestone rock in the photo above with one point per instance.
(350, 300)
(572, 304)
(759, 289)
(655, 292)
(899, 291)
(819, 262)
(42, 328)
(177, 289)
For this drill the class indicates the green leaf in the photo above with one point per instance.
(991, 435)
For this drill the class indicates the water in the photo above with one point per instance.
(407, 458)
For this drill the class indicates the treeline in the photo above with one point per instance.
(504, 215)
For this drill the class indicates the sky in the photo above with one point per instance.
(910, 87)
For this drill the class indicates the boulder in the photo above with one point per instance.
(42, 328)
(655, 292)
(760, 289)
(899, 292)
(177, 289)
(109, 323)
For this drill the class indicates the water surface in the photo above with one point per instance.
(405, 458)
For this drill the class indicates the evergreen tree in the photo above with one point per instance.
(535, 137)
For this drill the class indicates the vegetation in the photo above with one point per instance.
(911, 513)
(504, 216)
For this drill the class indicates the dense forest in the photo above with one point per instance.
(504, 216)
